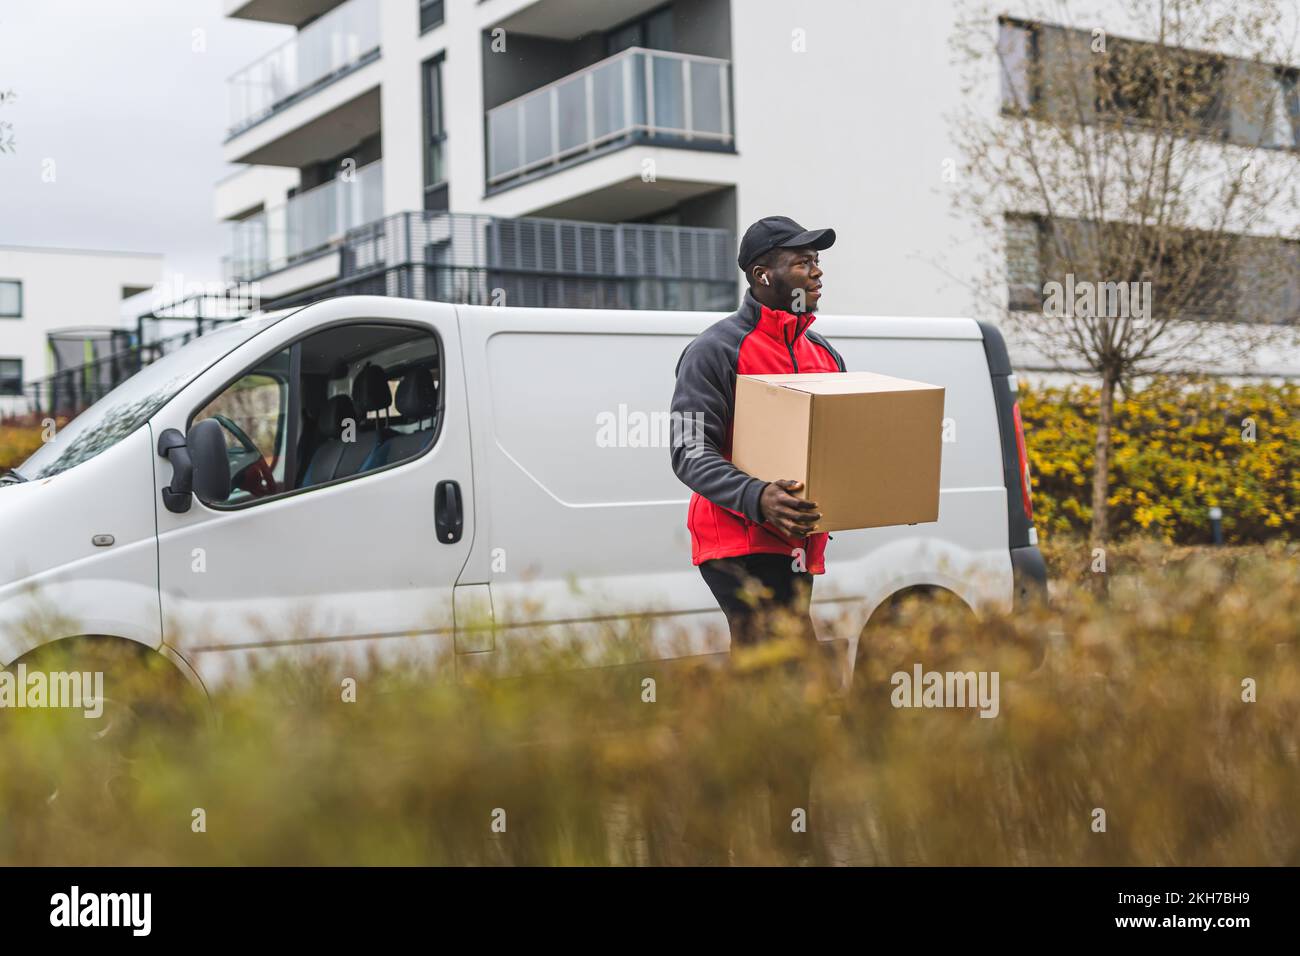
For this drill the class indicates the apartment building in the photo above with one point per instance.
(547, 153)
(607, 152)
(1233, 113)
(61, 308)
(584, 152)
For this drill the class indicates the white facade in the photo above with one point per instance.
(64, 289)
(838, 113)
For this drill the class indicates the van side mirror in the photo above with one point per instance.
(199, 465)
(207, 444)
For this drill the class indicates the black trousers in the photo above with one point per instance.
(751, 619)
(777, 596)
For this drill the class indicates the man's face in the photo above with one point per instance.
(796, 278)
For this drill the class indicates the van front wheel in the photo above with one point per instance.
(128, 694)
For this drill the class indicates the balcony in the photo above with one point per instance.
(339, 42)
(312, 222)
(638, 95)
(291, 12)
(469, 258)
(479, 259)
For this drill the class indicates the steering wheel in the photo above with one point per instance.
(256, 478)
(240, 435)
(249, 471)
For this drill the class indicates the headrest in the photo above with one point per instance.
(314, 388)
(334, 414)
(417, 395)
(370, 391)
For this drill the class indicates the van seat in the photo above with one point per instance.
(336, 458)
(417, 400)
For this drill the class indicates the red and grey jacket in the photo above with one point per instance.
(723, 516)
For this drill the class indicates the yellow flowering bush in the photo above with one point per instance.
(17, 442)
(1175, 453)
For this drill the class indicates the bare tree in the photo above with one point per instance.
(7, 128)
(1140, 190)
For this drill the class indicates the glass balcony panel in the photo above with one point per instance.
(669, 112)
(571, 98)
(707, 81)
(607, 99)
(339, 39)
(667, 95)
(313, 220)
(504, 146)
(537, 129)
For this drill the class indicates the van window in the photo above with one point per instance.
(364, 396)
(127, 407)
(253, 415)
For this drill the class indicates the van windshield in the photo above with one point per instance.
(134, 402)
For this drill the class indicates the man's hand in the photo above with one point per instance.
(793, 517)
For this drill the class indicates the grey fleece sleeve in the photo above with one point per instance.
(703, 404)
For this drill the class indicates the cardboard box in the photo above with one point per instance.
(866, 446)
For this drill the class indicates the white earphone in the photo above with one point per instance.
(763, 279)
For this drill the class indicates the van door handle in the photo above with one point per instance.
(447, 513)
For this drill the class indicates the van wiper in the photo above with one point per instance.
(11, 477)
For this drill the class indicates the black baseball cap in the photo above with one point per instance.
(780, 232)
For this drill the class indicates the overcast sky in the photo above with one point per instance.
(129, 102)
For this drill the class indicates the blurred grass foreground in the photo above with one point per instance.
(1155, 723)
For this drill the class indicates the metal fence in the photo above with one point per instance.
(111, 356)
(70, 391)
(447, 257)
(553, 263)
(471, 286)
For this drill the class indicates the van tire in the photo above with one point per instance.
(142, 689)
(868, 701)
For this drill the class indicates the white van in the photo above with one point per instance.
(380, 473)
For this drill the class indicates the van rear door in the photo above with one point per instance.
(1028, 566)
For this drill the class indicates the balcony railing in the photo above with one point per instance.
(470, 258)
(339, 41)
(71, 389)
(544, 263)
(308, 223)
(668, 98)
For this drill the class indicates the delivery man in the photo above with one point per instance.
(744, 530)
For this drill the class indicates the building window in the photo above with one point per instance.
(1054, 73)
(11, 299)
(1228, 278)
(432, 13)
(11, 376)
(435, 137)
(1016, 54)
(1283, 120)
(653, 31)
(1128, 83)
(1024, 263)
